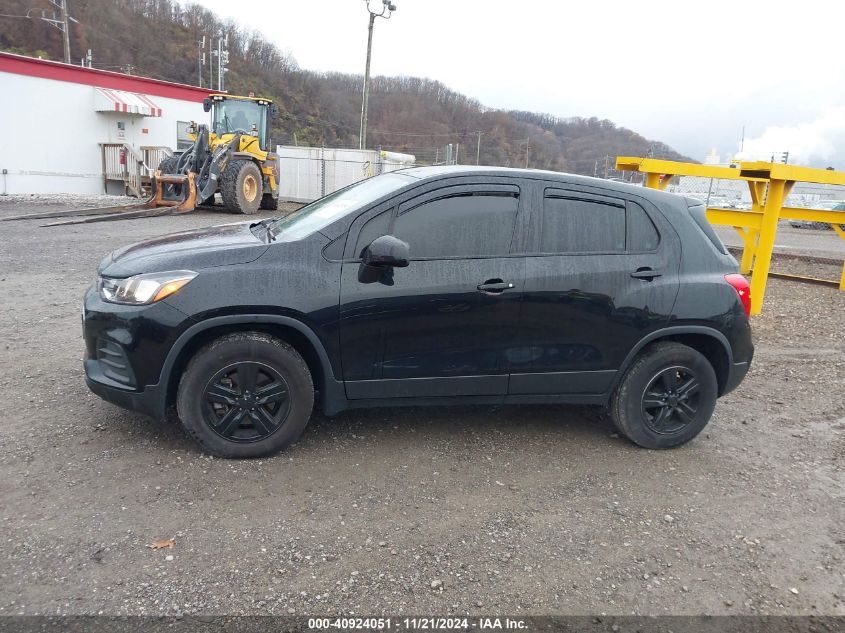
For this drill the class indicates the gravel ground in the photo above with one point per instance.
(518, 510)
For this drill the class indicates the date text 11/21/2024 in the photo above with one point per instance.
(418, 624)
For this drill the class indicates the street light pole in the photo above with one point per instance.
(387, 10)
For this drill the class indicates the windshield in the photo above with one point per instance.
(238, 115)
(320, 213)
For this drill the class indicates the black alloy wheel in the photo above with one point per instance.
(246, 402)
(666, 397)
(245, 394)
(671, 400)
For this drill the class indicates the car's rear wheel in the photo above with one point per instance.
(245, 395)
(666, 396)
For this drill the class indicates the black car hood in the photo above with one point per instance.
(221, 245)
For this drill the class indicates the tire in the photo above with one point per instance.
(168, 165)
(229, 420)
(208, 202)
(666, 418)
(269, 203)
(241, 187)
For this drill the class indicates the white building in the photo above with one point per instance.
(70, 129)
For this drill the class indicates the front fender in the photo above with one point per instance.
(332, 395)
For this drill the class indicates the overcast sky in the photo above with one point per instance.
(689, 74)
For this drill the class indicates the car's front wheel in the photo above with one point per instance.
(245, 395)
(666, 396)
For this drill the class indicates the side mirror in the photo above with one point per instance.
(206, 104)
(386, 251)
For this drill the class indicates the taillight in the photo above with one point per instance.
(740, 284)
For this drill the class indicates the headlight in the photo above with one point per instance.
(146, 288)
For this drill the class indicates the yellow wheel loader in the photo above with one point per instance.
(231, 157)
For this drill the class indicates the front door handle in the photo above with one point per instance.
(645, 273)
(495, 286)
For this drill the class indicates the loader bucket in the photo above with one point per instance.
(175, 190)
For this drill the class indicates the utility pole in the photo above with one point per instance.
(527, 149)
(200, 60)
(66, 31)
(222, 61)
(387, 10)
(62, 23)
(362, 135)
(478, 150)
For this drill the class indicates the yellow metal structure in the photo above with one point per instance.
(769, 185)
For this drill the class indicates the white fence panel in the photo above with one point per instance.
(308, 173)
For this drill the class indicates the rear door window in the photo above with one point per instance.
(576, 223)
(640, 234)
(582, 225)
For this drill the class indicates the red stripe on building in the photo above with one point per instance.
(111, 96)
(29, 66)
(154, 109)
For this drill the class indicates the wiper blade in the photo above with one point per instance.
(265, 224)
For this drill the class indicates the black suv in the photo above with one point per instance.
(427, 286)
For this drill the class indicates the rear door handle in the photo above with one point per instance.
(495, 286)
(646, 274)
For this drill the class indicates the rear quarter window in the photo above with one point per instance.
(699, 216)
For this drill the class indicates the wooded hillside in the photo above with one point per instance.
(158, 38)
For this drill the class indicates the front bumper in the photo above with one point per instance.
(152, 401)
(125, 350)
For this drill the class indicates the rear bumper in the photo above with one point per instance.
(736, 376)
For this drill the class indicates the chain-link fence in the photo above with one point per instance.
(734, 194)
